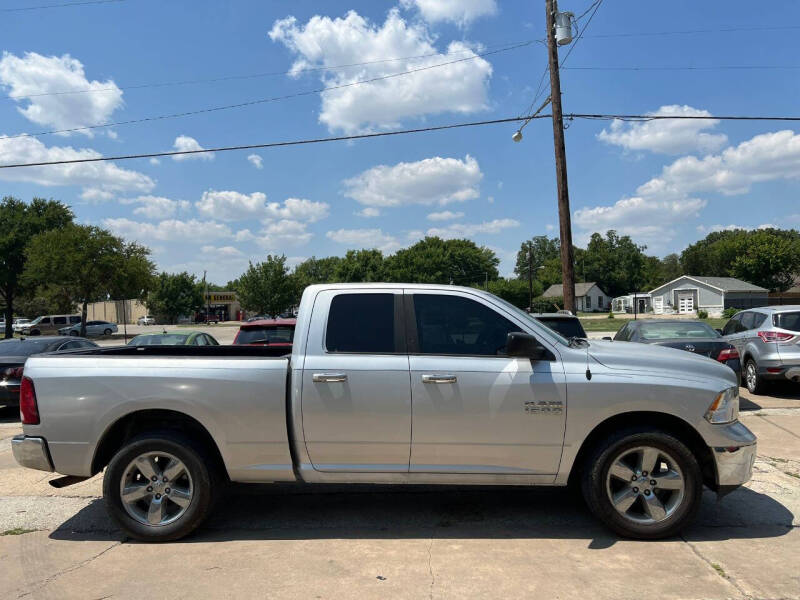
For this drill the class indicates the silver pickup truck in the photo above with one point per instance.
(397, 384)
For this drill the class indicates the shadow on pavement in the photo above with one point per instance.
(292, 512)
(9, 414)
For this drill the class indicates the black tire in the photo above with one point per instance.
(107, 332)
(594, 476)
(754, 382)
(206, 481)
(73, 333)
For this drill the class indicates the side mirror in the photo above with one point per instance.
(608, 338)
(524, 345)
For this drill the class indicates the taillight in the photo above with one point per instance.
(727, 354)
(28, 409)
(774, 336)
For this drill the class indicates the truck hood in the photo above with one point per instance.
(630, 356)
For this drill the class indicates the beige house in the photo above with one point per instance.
(588, 296)
(116, 311)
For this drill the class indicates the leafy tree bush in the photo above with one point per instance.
(174, 295)
(729, 312)
(266, 287)
(702, 314)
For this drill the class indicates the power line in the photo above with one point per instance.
(688, 68)
(269, 145)
(589, 116)
(693, 31)
(67, 4)
(257, 75)
(266, 100)
(582, 31)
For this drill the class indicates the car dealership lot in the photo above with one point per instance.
(377, 541)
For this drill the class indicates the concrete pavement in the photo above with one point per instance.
(379, 541)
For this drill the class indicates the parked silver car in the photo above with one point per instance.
(768, 341)
(93, 328)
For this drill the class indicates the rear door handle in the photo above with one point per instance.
(329, 377)
(438, 378)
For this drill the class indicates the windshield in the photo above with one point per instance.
(23, 347)
(169, 339)
(666, 331)
(522, 314)
(569, 328)
(36, 320)
(279, 334)
(789, 320)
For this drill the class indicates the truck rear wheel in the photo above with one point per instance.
(160, 487)
(643, 483)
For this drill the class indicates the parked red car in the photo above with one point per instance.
(277, 333)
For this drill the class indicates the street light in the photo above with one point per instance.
(517, 136)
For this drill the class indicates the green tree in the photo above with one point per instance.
(175, 294)
(316, 270)
(616, 263)
(19, 224)
(88, 263)
(266, 287)
(434, 260)
(360, 265)
(536, 252)
(513, 290)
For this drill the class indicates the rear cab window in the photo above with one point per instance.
(363, 323)
(269, 334)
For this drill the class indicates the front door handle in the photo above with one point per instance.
(329, 377)
(438, 378)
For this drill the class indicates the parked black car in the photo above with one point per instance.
(14, 353)
(692, 336)
(567, 325)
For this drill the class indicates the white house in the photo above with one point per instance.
(690, 293)
(588, 296)
(642, 300)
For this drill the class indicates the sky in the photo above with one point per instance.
(664, 183)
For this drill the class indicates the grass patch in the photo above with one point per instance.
(17, 531)
(790, 474)
(720, 571)
(614, 324)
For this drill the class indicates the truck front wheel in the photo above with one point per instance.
(160, 487)
(643, 483)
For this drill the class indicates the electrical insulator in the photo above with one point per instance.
(564, 28)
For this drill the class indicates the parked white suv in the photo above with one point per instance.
(768, 341)
(148, 320)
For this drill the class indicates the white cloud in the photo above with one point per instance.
(40, 76)
(667, 136)
(222, 252)
(549, 227)
(460, 12)
(184, 143)
(368, 212)
(466, 230)
(434, 180)
(256, 161)
(155, 161)
(712, 228)
(364, 238)
(230, 205)
(445, 215)
(100, 180)
(156, 207)
(280, 234)
(461, 87)
(168, 230)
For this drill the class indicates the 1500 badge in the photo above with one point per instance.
(553, 407)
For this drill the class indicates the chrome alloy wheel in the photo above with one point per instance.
(645, 485)
(751, 377)
(156, 488)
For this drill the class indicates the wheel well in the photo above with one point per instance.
(142, 421)
(663, 421)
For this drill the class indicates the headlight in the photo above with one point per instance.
(725, 408)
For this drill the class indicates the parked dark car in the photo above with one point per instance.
(691, 336)
(567, 325)
(14, 353)
(267, 332)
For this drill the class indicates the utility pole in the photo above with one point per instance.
(565, 225)
(205, 291)
(530, 276)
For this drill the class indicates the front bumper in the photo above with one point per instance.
(734, 466)
(32, 452)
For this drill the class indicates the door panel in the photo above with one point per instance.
(501, 415)
(356, 406)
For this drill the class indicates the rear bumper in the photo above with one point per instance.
(32, 452)
(779, 370)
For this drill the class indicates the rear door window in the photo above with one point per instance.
(59, 320)
(74, 319)
(789, 321)
(748, 321)
(362, 323)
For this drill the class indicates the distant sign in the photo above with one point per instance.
(221, 297)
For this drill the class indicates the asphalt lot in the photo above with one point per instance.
(378, 541)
